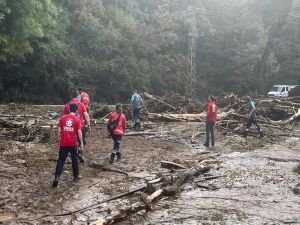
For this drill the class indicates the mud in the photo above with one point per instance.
(257, 187)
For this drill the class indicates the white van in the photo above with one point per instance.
(280, 90)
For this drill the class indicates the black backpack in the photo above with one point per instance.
(111, 126)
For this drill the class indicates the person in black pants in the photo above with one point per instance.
(252, 118)
(69, 128)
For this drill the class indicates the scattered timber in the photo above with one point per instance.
(147, 200)
(147, 95)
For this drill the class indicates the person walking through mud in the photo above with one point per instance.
(69, 130)
(252, 118)
(211, 117)
(116, 126)
(84, 98)
(82, 115)
(136, 106)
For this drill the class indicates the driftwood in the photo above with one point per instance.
(26, 116)
(141, 133)
(104, 168)
(286, 102)
(146, 201)
(291, 119)
(209, 187)
(268, 122)
(95, 205)
(147, 95)
(168, 117)
(208, 178)
(107, 115)
(171, 165)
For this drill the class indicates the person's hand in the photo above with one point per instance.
(89, 127)
(81, 146)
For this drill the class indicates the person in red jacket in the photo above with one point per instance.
(82, 115)
(116, 126)
(69, 130)
(211, 117)
(84, 98)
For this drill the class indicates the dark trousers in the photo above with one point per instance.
(252, 120)
(117, 141)
(210, 132)
(63, 153)
(136, 114)
(84, 130)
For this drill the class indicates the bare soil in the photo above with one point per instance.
(259, 186)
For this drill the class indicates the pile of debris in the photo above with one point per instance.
(171, 102)
(28, 123)
(279, 114)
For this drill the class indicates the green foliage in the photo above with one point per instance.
(49, 47)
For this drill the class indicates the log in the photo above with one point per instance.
(95, 205)
(171, 165)
(146, 202)
(147, 95)
(291, 119)
(169, 117)
(275, 124)
(104, 168)
(209, 187)
(29, 116)
(281, 102)
(208, 178)
(142, 133)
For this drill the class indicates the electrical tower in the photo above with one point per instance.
(191, 25)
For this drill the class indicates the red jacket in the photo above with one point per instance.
(85, 99)
(81, 110)
(121, 126)
(69, 125)
(211, 111)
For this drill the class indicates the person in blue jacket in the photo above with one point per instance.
(136, 105)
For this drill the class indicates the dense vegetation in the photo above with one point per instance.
(110, 47)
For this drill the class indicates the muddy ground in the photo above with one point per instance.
(260, 185)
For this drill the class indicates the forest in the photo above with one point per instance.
(190, 47)
(168, 157)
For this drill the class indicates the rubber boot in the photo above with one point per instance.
(112, 158)
(261, 134)
(80, 155)
(55, 182)
(119, 156)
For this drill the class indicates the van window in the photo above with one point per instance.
(274, 89)
(283, 89)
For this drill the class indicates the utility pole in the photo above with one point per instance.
(191, 25)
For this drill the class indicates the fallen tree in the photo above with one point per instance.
(146, 201)
(170, 117)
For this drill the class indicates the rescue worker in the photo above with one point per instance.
(84, 99)
(69, 131)
(211, 117)
(136, 103)
(252, 118)
(83, 116)
(116, 126)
